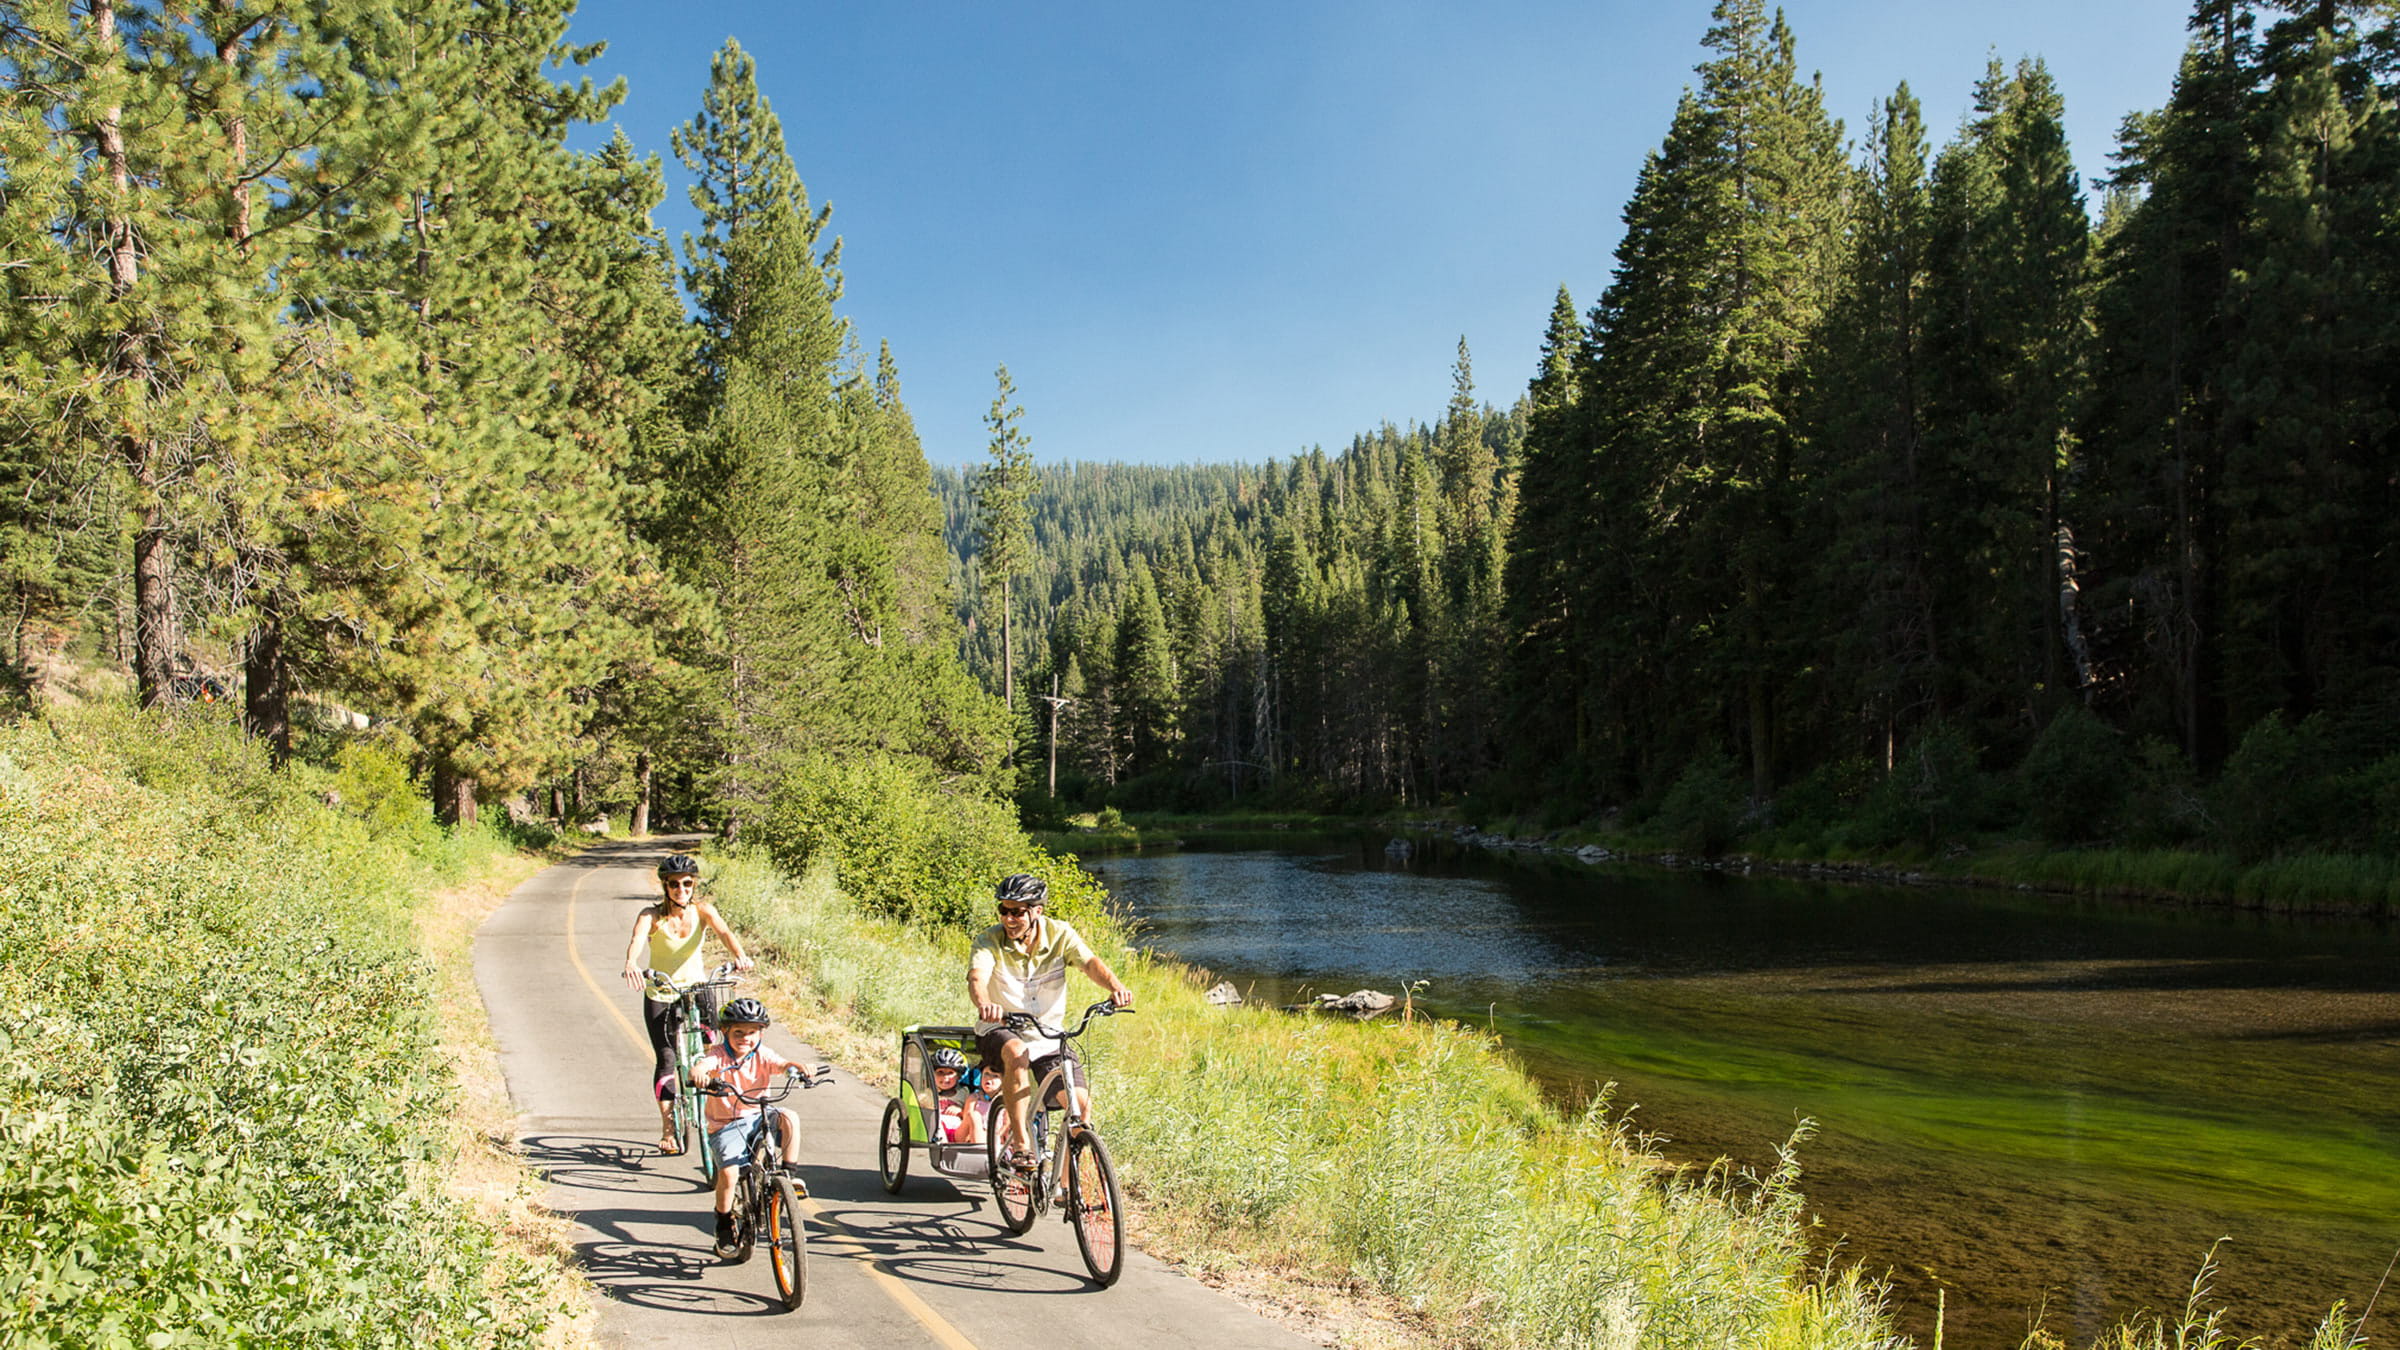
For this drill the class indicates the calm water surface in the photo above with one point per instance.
(2028, 1107)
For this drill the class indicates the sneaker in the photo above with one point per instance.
(726, 1246)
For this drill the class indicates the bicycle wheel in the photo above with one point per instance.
(688, 1046)
(679, 1126)
(705, 1146)
(1093, 1208)
(746, 1207)
(787, 1241)
(891, 1149)
(1013, 1190)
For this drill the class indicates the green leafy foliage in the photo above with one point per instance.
(218, 1102)
(2271, 797)
(2074, 780)
(904, 846)
(1934, 791)
(1702, 811)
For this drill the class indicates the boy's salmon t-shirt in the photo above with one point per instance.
(751, 1073)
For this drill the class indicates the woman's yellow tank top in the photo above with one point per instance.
(677, 958)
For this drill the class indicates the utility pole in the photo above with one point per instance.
(1056, 701)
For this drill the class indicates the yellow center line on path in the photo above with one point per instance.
(885, 1278)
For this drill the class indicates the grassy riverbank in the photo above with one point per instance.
(2362, 885)
(227, 1115)
(1411, 1161)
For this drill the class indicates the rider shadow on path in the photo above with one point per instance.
(675, 1279)
(593, 1163)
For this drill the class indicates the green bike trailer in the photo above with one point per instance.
(912, 1119)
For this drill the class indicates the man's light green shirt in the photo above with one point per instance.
(1030, 981)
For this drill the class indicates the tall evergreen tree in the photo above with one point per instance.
(1001, 538)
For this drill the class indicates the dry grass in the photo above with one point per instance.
(483, 1167)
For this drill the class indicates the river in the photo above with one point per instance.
(2027, 1108)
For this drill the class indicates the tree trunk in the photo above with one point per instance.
(267, 691)
(153, 608)
(453, 797)
(1008, 660)
(641, 794)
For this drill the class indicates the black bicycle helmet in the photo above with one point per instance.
(744, 1010)
(947, 1058)
(679, 865)
(1023, 888)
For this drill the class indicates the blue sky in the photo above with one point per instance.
(1203, 233)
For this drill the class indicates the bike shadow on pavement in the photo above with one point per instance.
(615, 1166)
(675, 1276)
(948, 1247)
(937, 1231)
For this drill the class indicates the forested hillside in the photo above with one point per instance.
(330, 374)
(1219, 628)
(1916, 486)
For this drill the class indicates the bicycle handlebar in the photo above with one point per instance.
(721, 977)
(1016, 1021)
(793, 1077)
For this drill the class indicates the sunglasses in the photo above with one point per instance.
(682, 884)
(1012, 911)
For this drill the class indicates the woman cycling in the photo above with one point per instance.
(674, 927)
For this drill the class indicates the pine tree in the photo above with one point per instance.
(1542, 666)
(1729, 258)
(742, 175)
(1873, 489)
(1001, 539)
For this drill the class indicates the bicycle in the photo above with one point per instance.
(1086, 1186)
(684, 1032)
(766, 1196)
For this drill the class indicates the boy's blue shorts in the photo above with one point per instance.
(732, 1141)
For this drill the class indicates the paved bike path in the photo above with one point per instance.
(929, 1267)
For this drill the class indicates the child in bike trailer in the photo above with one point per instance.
(673, 928)
(987, 1091)
(742, 1060)
(959, 1109)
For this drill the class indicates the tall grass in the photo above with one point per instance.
(1414, 1158)
(2303, 883)
(222, 1120)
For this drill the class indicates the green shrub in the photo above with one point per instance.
(1703, 810)
(906, 848)
(371, 781)
(1934, 792)
(218, 1097)
(2165, 806)
(2270, 797)
(2074, 780)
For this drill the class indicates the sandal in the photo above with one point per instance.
(668, 1148)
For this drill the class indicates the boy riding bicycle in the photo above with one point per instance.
(742, 1061)
(1020, 966)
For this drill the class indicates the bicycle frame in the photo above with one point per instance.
(1070, 1162)
(688, 1039)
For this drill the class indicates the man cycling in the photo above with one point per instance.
(1020, 966)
